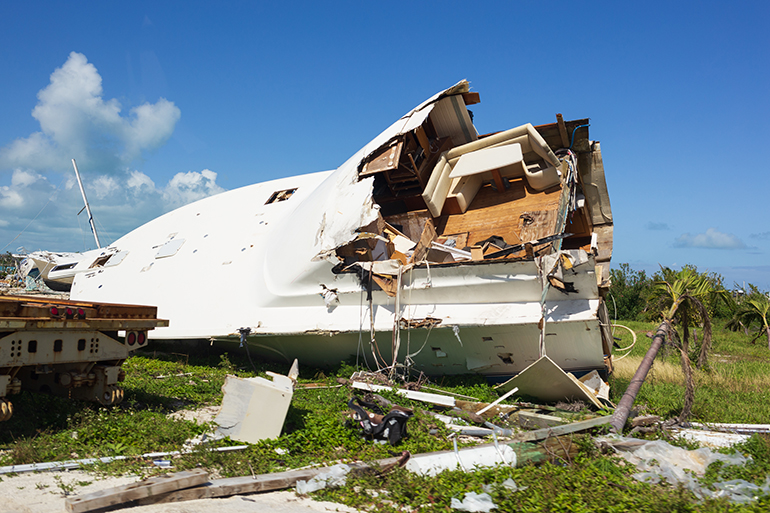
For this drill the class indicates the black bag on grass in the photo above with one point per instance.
(390, 427)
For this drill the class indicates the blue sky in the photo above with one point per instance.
(162, 103)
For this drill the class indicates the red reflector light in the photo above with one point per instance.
(54, 311)
(142, 338)
(69, 313)
(81, 313)
(131, 338)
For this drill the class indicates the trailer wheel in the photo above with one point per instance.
(6, 409)
(112, 395)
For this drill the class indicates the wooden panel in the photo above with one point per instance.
(386, 160)
(534, 225)
(578, 224)
(552, 134)
(498, 213)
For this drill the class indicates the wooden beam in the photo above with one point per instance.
(532, 420)
(237, 486)
(422, 138)
(562, 131)
(263, 482)
(499, 184)
(542, 434)
(168, 483)
(471, 98)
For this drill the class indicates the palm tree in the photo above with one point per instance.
(682, 298)
(754, 310)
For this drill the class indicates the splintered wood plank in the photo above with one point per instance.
(498, 213)
(135, 491)
(423, 245)
(264, 482)
(411, 223)
(562, 131)
(575, 427)
(237, 486)
(537, 224)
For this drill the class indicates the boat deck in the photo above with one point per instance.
(517, 214)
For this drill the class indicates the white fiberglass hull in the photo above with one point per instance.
(264, 262)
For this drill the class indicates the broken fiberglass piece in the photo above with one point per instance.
(254, 409)
(547, 382)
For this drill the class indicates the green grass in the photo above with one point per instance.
(317, 430)
(730, 389)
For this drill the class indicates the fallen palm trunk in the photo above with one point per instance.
(624, 407)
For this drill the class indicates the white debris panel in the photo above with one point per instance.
(254, 409)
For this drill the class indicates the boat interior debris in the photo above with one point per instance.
(448, 195)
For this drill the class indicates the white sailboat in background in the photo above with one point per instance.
(58, 269)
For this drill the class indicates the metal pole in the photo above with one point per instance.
(88, 209)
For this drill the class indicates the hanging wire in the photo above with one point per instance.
(572, 139)
(625, 348)
(360, 349)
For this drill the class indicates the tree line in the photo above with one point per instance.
(688, 297)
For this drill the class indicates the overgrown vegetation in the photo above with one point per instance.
(632, 294)
(752, 312)
(730, 389)
(687, 300)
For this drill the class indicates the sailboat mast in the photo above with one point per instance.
(88, 208)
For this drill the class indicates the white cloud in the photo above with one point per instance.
(712, 239)
(191, 186)
(76, 121)
(137, 180)
(10, 199)
(46, 215)
(104, 185)
(24, 178)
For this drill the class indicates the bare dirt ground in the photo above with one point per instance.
(45, 493)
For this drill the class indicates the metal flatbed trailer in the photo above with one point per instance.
(68, 348)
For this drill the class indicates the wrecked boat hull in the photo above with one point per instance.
(497, 352)
(390, 254)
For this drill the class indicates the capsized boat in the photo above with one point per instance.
(432, 247)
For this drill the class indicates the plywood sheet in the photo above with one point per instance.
(498, 213)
